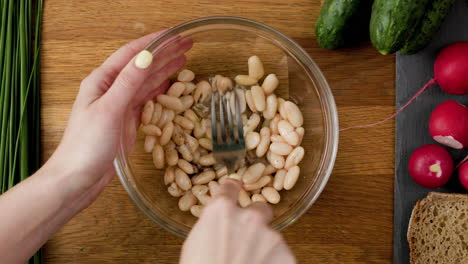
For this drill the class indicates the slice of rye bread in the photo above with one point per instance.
(438, 229)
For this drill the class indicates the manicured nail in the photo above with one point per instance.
(235, 176)
(143, 59)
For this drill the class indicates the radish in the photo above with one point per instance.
(449, 124)
(451, 68)
(430, 166)
(450, 73)
(463, 174)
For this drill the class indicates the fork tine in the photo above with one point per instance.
(221, 119)
(240, 127)
(214, 126)
(229, 117)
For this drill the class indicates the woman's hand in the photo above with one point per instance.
(229, 234)
(110, 100)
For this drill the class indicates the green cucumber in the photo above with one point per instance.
(430, 24)
(392, 22)
(339, 20)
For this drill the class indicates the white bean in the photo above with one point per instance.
(221, 172)
(187, 201)
(258, 97)
(207, 160)
(204, 199)
(169, 176)
(206, 123)
(185, 166)
(271, 107)
(223, 84)
(277, 139)
(245, 80)
(291, 177)
(191, 142)
(158, 156)
(276, 161)
(147, 112)
(293, 114)
(196, 156)
(287, 131)
(240, 98)
(274, 124)
(206, 143)
(176, 89)
(186, 76)
(184, 150)
(252, 123)
(191, 115)
(271, 195)
(187, 101)
(150, 141)
(196, 210)
(166, 116)
(282, 109)
(172, 157)
(300, 132)
(262, 147)
(156, 114)
(255, 67)
(174, 190)
(151, 130)
(281, 149)
(183, 122)
(204, 177)
(178, 136)
(278, 181)
(214, 187)
(198, 190)
(244, 199)
(166, 134)
(202, 91)
(170, 102)
(269, 170)
(182, 179)
(258, 198)
(294, 157)
(270, 83)
(189, 88)
(199, 130)
(253, 173)
(251, 140)
(250, 101)
(241, 171)
(264, 180)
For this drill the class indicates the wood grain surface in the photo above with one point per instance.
(351, 222)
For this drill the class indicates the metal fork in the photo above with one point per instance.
(228, 146)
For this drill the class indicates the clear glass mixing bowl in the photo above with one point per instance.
(222, 45)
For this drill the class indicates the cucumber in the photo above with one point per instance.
(338, 21)
(392, 22)
(430, 24)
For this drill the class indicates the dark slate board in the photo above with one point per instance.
(412, 72)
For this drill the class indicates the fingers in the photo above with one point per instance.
(262, 210)
(99, 81)
(229, 189)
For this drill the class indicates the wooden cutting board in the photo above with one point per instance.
(351, 222)
(412, 72)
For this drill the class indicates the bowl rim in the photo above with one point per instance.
(326, 99)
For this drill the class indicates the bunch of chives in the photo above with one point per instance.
(19, 92)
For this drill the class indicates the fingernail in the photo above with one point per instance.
(235, 176)
(143, 59)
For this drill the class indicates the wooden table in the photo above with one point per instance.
(352, 220)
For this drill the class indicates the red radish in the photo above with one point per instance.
(450, 72)
(449, 124)
(430, 166)
(451, 68)
(463, 174)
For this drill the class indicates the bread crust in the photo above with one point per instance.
(431, 198)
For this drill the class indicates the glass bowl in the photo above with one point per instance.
(222, 45)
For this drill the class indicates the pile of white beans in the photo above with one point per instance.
(178, 133)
